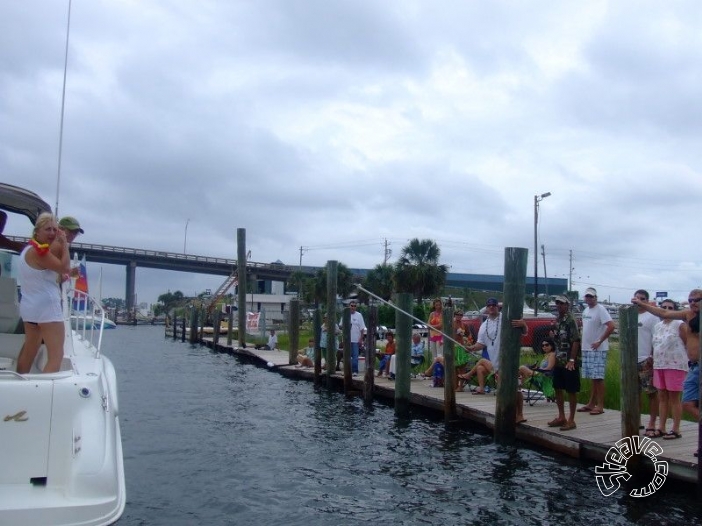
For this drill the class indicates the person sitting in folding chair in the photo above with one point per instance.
(384, 366)
(417, 359)
(538, 378)
(548, 347)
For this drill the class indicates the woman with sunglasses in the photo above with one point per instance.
(548, 347)
(669, 371)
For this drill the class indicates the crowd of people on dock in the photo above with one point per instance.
(668, 349)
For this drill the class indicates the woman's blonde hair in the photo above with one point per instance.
(42, 220)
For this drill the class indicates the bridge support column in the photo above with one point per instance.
(130, 294)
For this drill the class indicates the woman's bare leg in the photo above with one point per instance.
(30, 347)
(53, 334)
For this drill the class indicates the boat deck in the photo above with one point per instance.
(593, 437)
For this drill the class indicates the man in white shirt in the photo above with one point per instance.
(597, 326)
(645, 362)
(272, 341)
(357, 328)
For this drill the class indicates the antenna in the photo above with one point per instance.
(63, 106)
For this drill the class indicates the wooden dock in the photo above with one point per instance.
(594, 436)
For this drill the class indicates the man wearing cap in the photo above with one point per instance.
(71, 226)
(597, 326)
(566, 376)
(645, 362)
(489, 342)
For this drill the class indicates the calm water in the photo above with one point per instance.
(209, 439)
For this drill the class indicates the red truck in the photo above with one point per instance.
(539, 328)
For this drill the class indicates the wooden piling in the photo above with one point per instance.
(182, 334)
(193, 324)
(175, 326)
(449, 367)
(203, 315)
(348, 382)
(216, 324)
(403, 354)
(294, 330)
(369, 375)
(230, 326)
(332, 271)
(699, 433)
(512, 309)
(629, 375)
(317, 331)
(242, 279)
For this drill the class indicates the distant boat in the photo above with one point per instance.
(77, 322)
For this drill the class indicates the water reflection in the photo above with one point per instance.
(209, 439)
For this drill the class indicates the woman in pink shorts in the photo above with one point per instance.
(669, 369)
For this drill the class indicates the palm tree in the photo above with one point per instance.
(344, 282)
(418, 270)
(379, 281)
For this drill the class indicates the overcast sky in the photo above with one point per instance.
(337, 125)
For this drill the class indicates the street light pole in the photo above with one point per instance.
(537, 200)
(185, 236)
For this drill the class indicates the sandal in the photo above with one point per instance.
(671, 435)
(584, 409)
(654, 433)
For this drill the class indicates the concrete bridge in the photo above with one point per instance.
(132, 258)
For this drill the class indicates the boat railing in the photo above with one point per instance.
(85, 315)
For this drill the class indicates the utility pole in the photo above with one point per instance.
(387, 252)
(537, 200)
(543, 255)
(299, 285)
(570, 271)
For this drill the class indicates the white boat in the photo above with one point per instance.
(60, 439)
(91, 322)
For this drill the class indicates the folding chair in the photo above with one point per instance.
(537, 387)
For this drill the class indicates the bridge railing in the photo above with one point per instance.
(165, 254)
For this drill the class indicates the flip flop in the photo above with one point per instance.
(557, 422)
(671, 435)
(597, 411)
(584, 409)
(568, 427)
(654, 433)
(479, 392)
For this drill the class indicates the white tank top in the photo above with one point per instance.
(41, 295)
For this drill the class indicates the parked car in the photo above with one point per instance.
(420, 329)
(380, 331)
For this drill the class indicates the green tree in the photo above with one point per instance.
(302, 283)
(418, 270)
(168, 301)
(344, 283)
(114, 303)
(380, 281)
